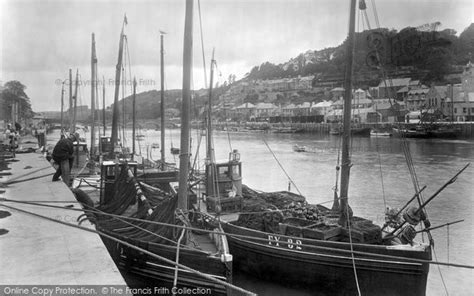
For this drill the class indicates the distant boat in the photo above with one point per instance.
(355, 131)
(298, 148)
(431, 130)
(174, 151)
(155, 146)
(287, 130)
(378, 133)
(140, 137)
(412, 132)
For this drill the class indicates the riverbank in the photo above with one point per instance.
(466, 128)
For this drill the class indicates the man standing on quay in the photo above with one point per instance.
(63, 156)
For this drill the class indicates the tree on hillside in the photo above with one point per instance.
(14, 91)
(251, 98)
(466, 44)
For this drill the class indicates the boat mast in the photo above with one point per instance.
(162, 109)
(133, 116)
(452, 102)
(118, 70)
(70, 100)
(62, 107)
(345, 156)
(187, 61)
(93, 92)
(103, 104)
(75, 102)
(210, 150)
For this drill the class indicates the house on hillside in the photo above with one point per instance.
(389, 88)
(467, 82)
(288, 110)
(265, 109)
(337, 93)
(321, 108)
(304, 109)
(242, 112)
(416, 98)
(440, 97)
(456, 102)
(305, 82)
(389, 110)
(362, 111)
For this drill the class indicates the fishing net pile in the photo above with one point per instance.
(130, 199)
(288, 213)
(258, 201)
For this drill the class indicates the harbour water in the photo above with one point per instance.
(379, 179)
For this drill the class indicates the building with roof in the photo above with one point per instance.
(416, 98)
(362, 108)
(389, 110)
(321, 108)
(455, 102)
(337, 93)
(244, 111)
(265, 109)
(303, 109)
(467, 82)
(288, 110)
(389, 88)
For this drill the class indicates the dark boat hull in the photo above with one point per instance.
(424, 133)
(355, 131)
(326, 267)
(155, 272)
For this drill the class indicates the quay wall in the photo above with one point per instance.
(36, 251)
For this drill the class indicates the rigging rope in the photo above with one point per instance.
(352, 253)
(281, 166)
(202, 45)
(405, 147)
(225, 116)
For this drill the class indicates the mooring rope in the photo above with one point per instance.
(27, 174)
(413, 260)
(171, 262)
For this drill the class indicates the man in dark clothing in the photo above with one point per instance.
(63, 156)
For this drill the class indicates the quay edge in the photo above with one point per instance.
(36, 251)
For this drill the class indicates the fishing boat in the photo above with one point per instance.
(355, 131)
(158, 172)
(428, 130)
(380, 134)
(286, 130)
(223, 178)
(122, 194)
(204, 251)
(299, 148)
(331, 249)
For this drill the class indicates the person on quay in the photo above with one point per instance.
(63, 156)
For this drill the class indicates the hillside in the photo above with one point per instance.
(427, 55)
(148, 103)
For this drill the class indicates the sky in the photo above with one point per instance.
(42, 40)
